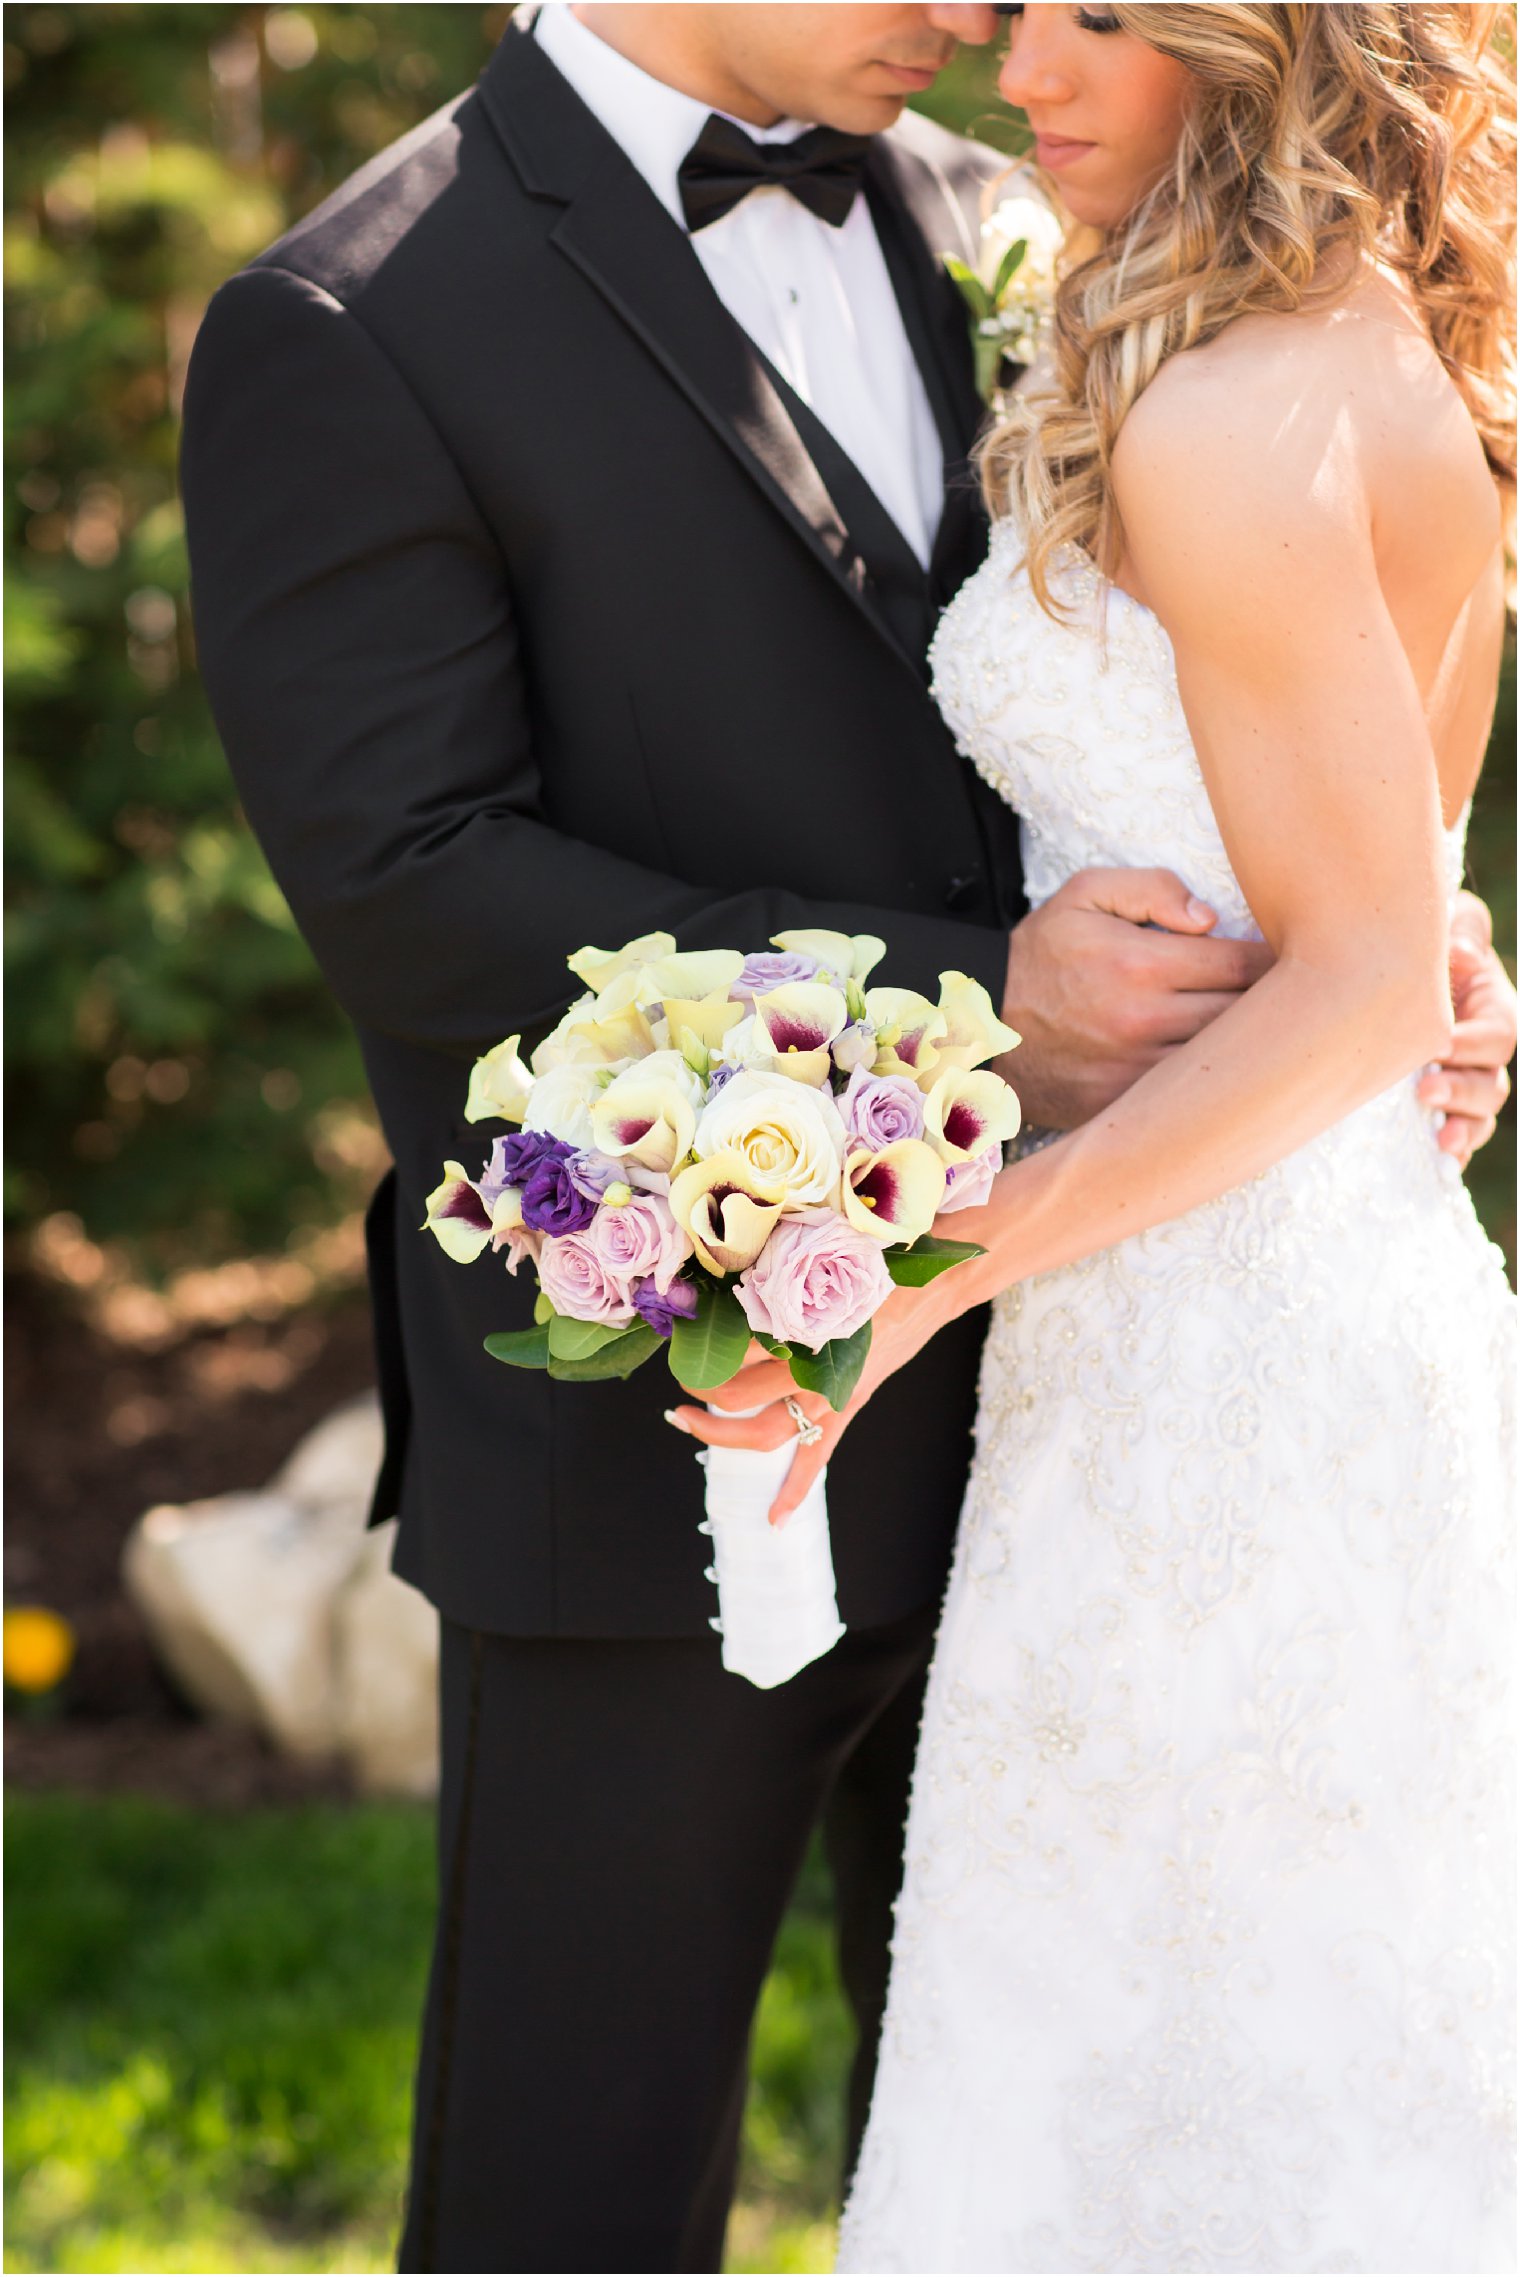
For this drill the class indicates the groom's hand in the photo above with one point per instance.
(1473, 1083)
(1111, 973)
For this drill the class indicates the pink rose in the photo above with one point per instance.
(639, 1241)
(968, 1183)
(577, 1283)
(815, 1279)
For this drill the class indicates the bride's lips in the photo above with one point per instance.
(1055, 151)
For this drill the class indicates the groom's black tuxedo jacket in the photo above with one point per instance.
(535, 611)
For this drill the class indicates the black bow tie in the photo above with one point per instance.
(821, 168)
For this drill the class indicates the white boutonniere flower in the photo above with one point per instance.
(1011, 293)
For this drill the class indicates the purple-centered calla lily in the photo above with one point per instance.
(968, 1110)
(802, 1021)
(894, 1194)
(726, 1209)
(908, 1028)
(457, 1216)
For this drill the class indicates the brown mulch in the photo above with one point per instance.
(96, 1432)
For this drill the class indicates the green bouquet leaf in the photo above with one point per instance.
(521, 1347)
(927, 1259)
(627, 1349)
(579, 1339)
(708, 1350)
(835, 1371)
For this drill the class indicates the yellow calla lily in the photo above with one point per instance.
(801, 1021)
(708, 1018)
(689, 973)
(726, 1209)
(850, 956)
(973, 1031)
(457, 1216)
(908, 1029)
(894, 1195)
(648, 1118)
(968, 1110)
(599, 967)
(499, 1085)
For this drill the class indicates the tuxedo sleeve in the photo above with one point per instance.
(356, 636)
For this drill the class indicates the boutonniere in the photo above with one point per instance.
(1010, 297)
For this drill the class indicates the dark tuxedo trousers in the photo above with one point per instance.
(535, 611)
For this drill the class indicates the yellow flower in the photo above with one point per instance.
(727, 1210)
(598, 968)
(39, 1647)
(894, 1195)
(908, 1028)
(842, 956)
(973, 1031)
(499, 1085)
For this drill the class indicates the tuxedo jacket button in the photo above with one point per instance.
(961, 893)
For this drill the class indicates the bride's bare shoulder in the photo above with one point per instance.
(1339, 399)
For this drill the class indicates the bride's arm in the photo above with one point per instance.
(1312, 740)
(1253, 541)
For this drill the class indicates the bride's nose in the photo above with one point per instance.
(1033, 72)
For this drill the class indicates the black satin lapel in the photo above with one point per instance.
(619, 236)
(622, 240)
(918, 220)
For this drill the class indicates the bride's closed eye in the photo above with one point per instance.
(1088, 19)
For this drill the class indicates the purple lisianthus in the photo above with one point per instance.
(679, 1302)
(969, 1183)
(768, 969)
(552, 1202)
(881, 1109)
(716, 1081)
(514, 1158)
(591, 1172)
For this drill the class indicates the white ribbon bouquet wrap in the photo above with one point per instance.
(715, 1150)
(777, 1609)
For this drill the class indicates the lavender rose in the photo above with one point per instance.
(639, 1241)
(881, 1109)
(678, 1302)
(768, 969)
(578, 1284)
(815, 1279)
(969, 1183)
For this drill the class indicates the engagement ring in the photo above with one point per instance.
(809, 1433)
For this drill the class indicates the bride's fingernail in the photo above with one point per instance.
(679, 1422)
(1199, 910)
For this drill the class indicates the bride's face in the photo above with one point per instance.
(1106, 108)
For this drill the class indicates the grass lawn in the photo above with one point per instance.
(211, 2022)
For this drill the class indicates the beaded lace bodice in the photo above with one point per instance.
(1092, 749)
(1204, 1958)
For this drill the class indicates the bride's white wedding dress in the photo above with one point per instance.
(1204, 1958)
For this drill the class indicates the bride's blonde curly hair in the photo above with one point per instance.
(1315, 132)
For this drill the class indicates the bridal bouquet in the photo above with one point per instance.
(714, 1147)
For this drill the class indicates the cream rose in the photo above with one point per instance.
(791, 1138)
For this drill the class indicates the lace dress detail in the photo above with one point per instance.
(1204, 1958)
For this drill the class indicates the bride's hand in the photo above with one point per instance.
(903, 1326)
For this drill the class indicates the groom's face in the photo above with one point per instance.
(839, 65)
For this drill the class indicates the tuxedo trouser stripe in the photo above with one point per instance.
(449, 1986)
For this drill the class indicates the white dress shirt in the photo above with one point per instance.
(817, 301)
